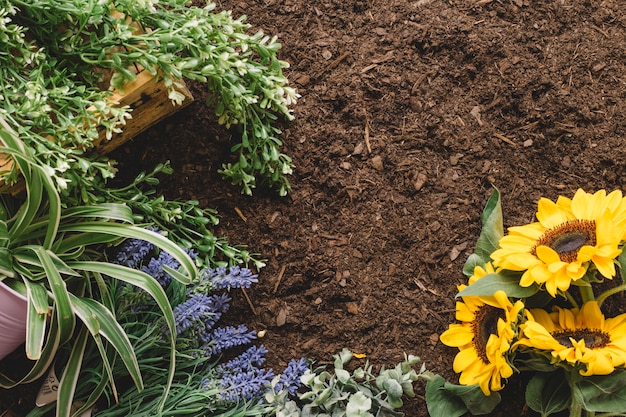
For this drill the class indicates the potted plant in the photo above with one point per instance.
(12, 319)
(53, 256)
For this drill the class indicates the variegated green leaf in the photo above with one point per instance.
(41, 366)
(134, 232)
(67, 384)
(151, 286)
(38, 309)
(100, 321)
(67, 319)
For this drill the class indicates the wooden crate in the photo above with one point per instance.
(150, 104)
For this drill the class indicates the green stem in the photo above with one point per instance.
(586, 293)
(610, 292)
(571, 299)
(576, 409)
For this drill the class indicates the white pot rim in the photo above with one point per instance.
(5, 287)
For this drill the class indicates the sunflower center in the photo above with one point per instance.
(594, 339)
(566, 239)
(484, 325)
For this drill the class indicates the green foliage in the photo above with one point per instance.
(50, 88)
(54, 256)
(490, 234)
(505, 281)
(357, 394)
(449, 400)
(186, 223)
(603, 393)
(548, 392)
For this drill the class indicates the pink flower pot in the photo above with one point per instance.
(13, 308)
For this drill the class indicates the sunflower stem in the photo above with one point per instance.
(571, 299)
(576, 409)
(610, 292)
(586, 292)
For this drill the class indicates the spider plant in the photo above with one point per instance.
(54, 255)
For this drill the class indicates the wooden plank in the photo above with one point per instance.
(150, 104)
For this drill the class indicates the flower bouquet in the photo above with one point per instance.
(542, 299)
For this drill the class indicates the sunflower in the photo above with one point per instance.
(484, 336)
(579, 337)
(568, 237)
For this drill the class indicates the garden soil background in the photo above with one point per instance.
(411, 113)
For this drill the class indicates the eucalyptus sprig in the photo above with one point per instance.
(361, 393)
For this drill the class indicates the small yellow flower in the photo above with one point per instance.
(484, 336)
(568, 237)
(579, 337)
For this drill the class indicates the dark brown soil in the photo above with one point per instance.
(411, 112)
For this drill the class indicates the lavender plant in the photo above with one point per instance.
(203, 384)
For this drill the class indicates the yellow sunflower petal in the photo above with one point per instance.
(567, 318)
(581, 205)
(600, 365)
(547, 254)
(590, 316)
(457, 335)
(465, 359)
(550, 214)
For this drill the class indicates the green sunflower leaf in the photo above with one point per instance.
(490, 283)
(603, 393)
(476, 402)
(441, 402)
(548, 393)
(491, 233)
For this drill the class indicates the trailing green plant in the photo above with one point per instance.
(339, 393)
(185, 222)
(54, 256)
(54, 55)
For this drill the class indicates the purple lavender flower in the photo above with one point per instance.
(200, 313)
(245, 385)
(196, 309)
(251, 358)
(235, 277)
(132, 252)
(240, 378)
(290, 378)
(228, 337)
(155, 268)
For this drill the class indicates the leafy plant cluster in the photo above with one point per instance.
(56, 56)
(537, 300)
(341, 393)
